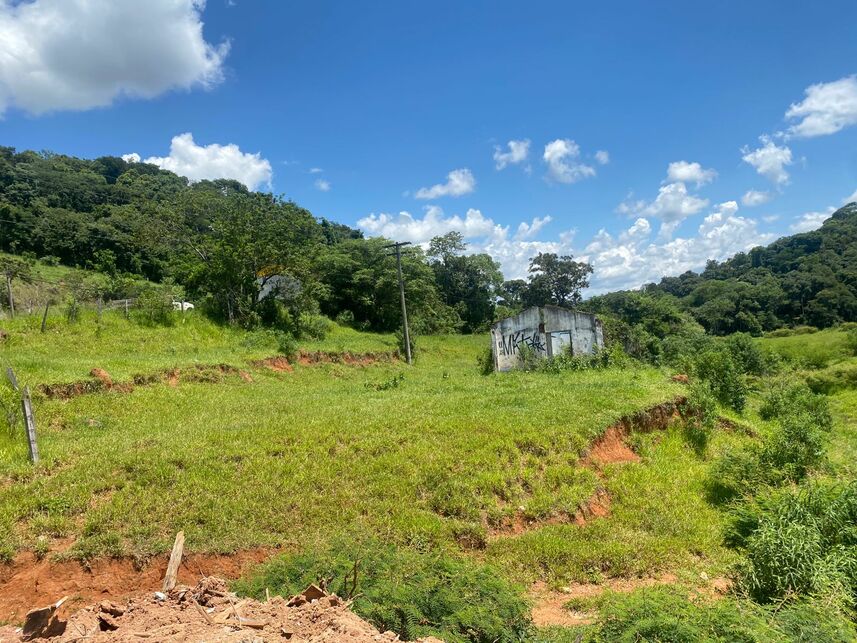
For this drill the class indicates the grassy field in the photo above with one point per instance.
(436, 458)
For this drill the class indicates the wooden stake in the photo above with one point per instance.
(45, 316)
(30, 423)
(175, 561)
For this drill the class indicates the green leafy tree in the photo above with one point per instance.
(556, 280)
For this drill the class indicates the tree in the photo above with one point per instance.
(467, 283)
(556, 280)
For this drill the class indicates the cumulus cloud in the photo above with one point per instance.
(214, 161)
(602, 157)
(809, 221)
(80, 54)
(133, 157)
(518, 151)
(673, 204)
(684, 172)
(458, 183)
(827, 108)
(850, 199)
(531, 229)
(322, 185)
(511, 251)
(562, 157)
(633, 259)
(769, 160)
(753, 198)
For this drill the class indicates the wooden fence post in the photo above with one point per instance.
(30, 423)
(45, 316)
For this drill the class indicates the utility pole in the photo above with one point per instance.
(398, 247)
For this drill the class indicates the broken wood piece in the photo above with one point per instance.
(201, 610)
(175, 561)
(249, 622)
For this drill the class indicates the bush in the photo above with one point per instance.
(800, 542)
(287, 345)
(314, 326)
(412, 593)
(717, 368)
(400, 344)
(666, 614)
(700, 416)
(153, 308)
(785, 399)
(485, 361)
(613, 356)
(836, 378)
(746, 354)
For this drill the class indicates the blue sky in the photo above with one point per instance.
(356, 109)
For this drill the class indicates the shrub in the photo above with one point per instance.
(287, 345)
(50, 260)
(800, 542)
(153, 308)
(700, 416)
(836, 378)
(851, 341)
(412, 593)
(666, 614)
(793, 450)
(485, 361)
(717, 368)
(784, 399)
(345, 318)
(746, 354)
(314, 326)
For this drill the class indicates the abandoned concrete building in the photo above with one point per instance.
(547, 331)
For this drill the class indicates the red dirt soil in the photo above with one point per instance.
(28, 582)
(209, 612)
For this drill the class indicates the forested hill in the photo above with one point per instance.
(808, 278)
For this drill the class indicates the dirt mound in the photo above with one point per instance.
(209, 612)
(279, 364)
(307, 358)
(101, 380)
(28, 581)
(610, 448)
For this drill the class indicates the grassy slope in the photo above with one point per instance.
(295, 458)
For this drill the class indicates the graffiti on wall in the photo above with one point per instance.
(509, 344)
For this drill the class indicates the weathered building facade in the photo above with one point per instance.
(547, 331)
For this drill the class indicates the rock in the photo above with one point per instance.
(43, 622)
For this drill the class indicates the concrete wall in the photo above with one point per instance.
(546, 331)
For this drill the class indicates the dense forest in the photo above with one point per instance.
(258, 259)
(247, 257)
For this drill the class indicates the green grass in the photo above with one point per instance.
(815, 350)
(295, 458)
(67, 352)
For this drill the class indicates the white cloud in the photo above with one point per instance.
(602, 157)
(529, 230)
(684, 172)
(315, 170)
(458, 183)
(133, 157)
(769, 160)
(810, 221)
(632, 259)
(322, 185)
(753, 198)
(827, 108)
(406, 227)
(770, 218)
(673, 204)
(483, 234)
(562, 158)
(214, 161)
(850, 199)
(518, 153)
(80, 54)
